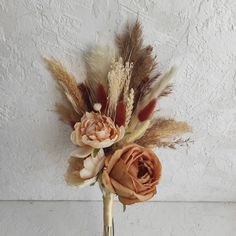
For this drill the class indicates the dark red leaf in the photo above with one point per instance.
(120, 113)
(102, 97)
(72, 124)
(147, 110)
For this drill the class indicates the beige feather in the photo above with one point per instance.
(69, 85)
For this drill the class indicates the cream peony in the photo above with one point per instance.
(82, 169)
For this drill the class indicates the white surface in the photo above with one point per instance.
(85, 219)
(199, 36)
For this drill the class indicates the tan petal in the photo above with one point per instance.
(124, 192)
(92, 165)
(82, 152)
(72, 175)
(121, 175)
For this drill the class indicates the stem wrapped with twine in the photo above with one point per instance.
(108, 200)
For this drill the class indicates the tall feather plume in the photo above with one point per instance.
(130, 44)
(161, 131)
(69, 85)
(98, 62)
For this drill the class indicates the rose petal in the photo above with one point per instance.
(121, 173)
(72, 175)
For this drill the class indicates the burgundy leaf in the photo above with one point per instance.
(102, 97)
(120, 113)
(147, 110)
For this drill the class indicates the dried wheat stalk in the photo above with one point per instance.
(129, 107)
(116, 80)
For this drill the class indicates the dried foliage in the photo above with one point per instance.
(161, 130)
(69, 85)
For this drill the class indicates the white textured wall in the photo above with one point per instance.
(197, 35)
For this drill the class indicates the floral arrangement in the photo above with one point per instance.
(114, 120)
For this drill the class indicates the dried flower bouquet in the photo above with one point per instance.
(112, 116)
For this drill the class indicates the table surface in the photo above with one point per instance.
(59, 218)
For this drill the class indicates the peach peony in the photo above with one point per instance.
(96, 131)
(133, 173)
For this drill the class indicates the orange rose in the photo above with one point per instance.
(133, 173)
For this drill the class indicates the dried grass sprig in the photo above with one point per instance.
(69, 85)
(129, 69)
(172, 144)
(163, 129)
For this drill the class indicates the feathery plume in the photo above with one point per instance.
(69, 85)
(163, 129)
(131, 48)
(98, 62)
(130, 42)
(67, 114)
